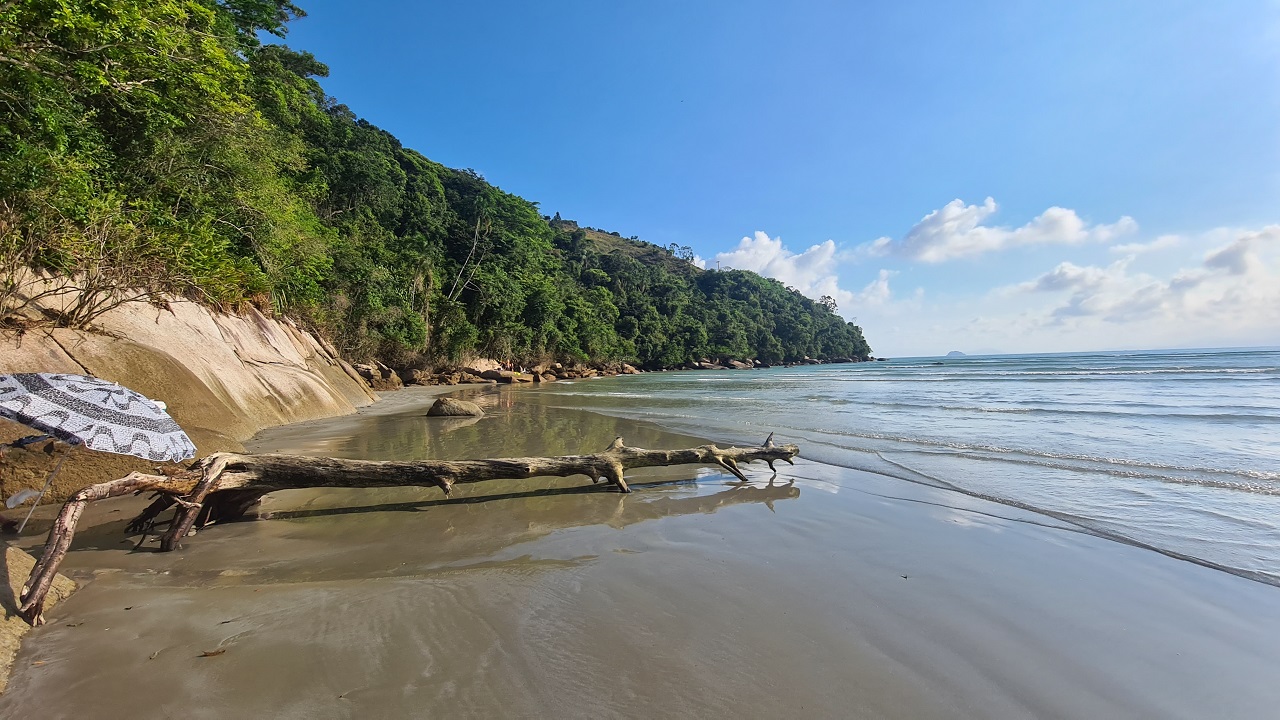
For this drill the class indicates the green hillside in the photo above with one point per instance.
(159, 145)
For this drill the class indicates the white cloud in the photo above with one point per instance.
(1068, 276)
(1240, 256)
(699, 262)
(1218, 288)
(1233, 292)
(812, 272)
(958, 230)
(1164, 242)
(1225, 292)
(877, 292)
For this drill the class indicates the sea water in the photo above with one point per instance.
(1176, 451)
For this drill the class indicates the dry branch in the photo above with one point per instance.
(224, 486)
(64, 530)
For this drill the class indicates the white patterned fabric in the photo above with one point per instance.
(95, 413)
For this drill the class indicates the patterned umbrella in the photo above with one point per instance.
(95, 413)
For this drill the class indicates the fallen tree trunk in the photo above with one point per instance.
(224, 486)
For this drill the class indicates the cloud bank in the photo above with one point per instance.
(812, 272)
(957, 230)
(1235, 288)
(1215, 289)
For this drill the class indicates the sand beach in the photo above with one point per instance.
(821, 592)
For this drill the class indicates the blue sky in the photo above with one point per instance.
(985, 176)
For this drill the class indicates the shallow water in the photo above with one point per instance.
(1176, 450)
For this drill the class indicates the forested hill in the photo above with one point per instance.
(159, 144)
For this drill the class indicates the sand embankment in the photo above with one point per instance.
(224, 378)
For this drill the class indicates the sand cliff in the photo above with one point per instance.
(224, 378)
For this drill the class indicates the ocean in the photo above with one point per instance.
(1175, 451)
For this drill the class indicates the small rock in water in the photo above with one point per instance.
(448, 407)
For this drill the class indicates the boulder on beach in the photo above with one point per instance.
(506, 376)
(449, 407)
(478, 366)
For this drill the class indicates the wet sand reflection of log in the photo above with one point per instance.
(434, 535)
(227, 485)
(738, 493)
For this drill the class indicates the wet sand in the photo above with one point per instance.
(822, 593)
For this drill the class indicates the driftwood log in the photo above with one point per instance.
(223, 486)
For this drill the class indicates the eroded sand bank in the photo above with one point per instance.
(842, 594)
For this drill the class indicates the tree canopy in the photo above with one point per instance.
(160, 143)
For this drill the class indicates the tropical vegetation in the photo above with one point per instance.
(163, 147)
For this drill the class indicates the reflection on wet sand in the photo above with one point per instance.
(516, 424)
(488, 525)
(350, 541)
(330, 534)
(665, 507)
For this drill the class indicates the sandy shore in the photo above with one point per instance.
(826, 593)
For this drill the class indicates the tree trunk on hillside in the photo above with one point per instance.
(224, 486)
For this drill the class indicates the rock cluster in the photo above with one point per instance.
(481, 372)
(732, 364)
(490, 372)
(379, 376)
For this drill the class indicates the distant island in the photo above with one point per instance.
(956, 353)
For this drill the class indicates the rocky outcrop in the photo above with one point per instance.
(506, 376)
(380, 377)
(478, 366)
(224, 378)
(538, 373)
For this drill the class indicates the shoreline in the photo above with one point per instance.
(690, 596)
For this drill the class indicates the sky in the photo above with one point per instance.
(983, 176)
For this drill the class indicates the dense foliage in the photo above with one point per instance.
(160, 144)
